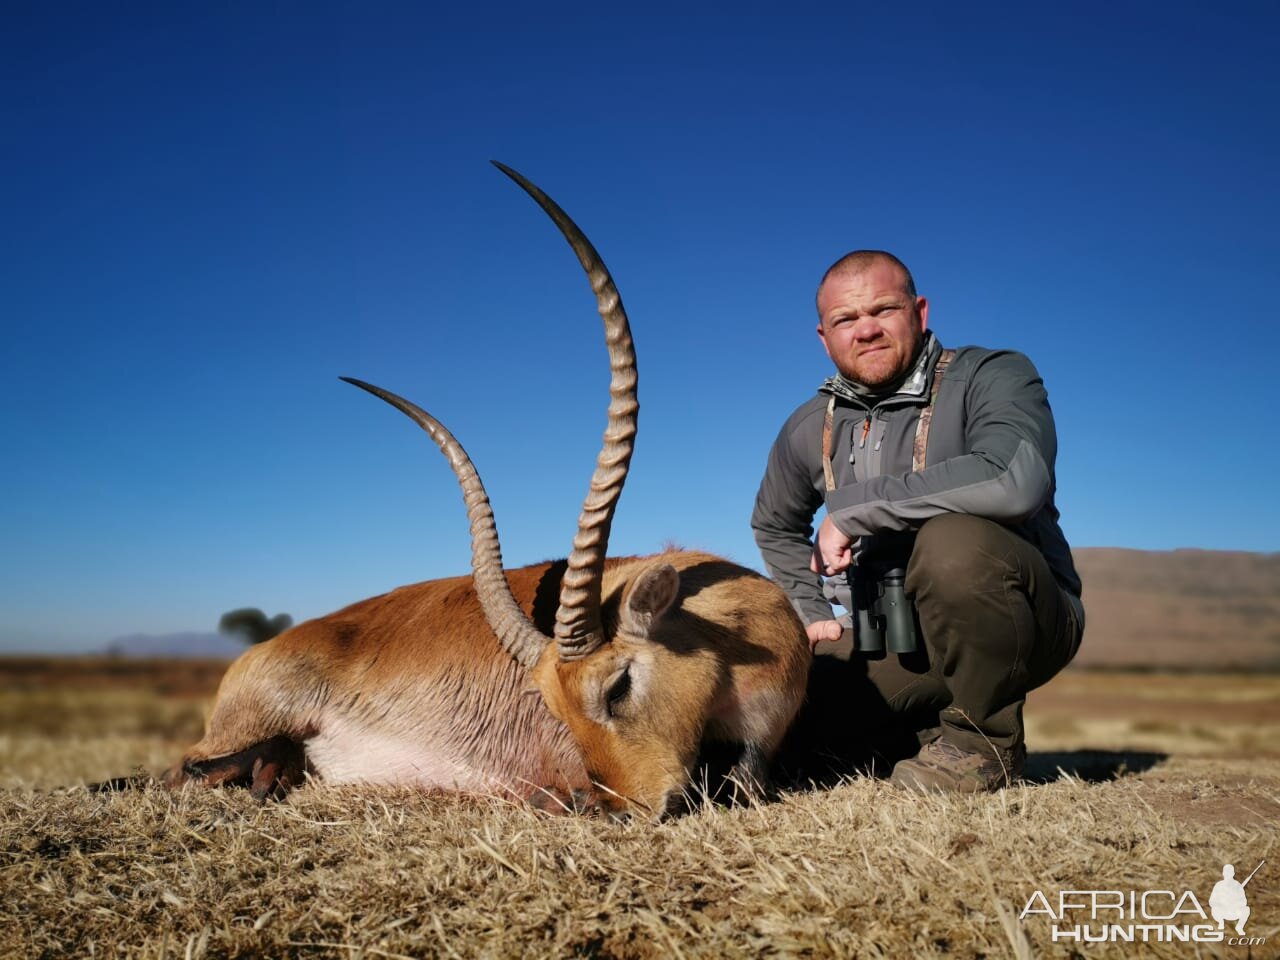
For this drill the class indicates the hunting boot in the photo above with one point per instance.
(995, 624)
(941, 766)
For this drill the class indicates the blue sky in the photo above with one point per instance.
(209, 215)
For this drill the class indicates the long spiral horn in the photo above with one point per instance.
(518, 636)
(578, 628)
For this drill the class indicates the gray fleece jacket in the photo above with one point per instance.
(991, 453)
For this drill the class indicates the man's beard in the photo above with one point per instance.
(877, 374)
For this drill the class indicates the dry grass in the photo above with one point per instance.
(856, 870)
(1224, 715)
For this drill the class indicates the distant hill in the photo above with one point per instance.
(1173, 610)
(200, 645)
(1180, 609)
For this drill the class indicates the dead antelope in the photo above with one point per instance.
(587, 680)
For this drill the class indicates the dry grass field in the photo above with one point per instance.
(1138, 782)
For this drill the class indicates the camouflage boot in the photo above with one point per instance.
(943, 767)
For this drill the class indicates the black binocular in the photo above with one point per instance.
(885, 616)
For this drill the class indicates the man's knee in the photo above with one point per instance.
(956, 554)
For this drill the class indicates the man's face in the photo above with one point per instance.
(869, 325)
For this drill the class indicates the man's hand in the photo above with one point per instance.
(832, 550)
(822, 631)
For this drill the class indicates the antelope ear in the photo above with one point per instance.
(651, 596)
(542, 675)
(546, 684)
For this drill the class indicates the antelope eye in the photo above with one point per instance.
(618, 692)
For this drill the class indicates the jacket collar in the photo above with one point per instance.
(914, 387)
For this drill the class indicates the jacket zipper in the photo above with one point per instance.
(870, 463)
(878, 424)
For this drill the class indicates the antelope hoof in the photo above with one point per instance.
(269, 769)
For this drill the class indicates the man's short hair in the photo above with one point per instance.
(859, 260)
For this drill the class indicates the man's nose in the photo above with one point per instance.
(867, 328)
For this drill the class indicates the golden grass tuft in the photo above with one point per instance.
(856, 870)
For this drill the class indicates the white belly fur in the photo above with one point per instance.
(346, 752)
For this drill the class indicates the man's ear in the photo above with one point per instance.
(822, 335)
(922, 308)
(650, 597)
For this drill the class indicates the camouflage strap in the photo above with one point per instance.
(926, 415)
(827, 472)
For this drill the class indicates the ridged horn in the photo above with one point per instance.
(518, 636)
(578, 628)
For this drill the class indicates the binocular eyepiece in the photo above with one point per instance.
(885, 616)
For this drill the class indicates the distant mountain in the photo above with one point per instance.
(1172, 610)
(201, 645)
(1180, 609)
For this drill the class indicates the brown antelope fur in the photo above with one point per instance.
(391, 700)
(709, 652)
(585, 682)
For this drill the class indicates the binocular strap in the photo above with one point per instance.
(926, 415)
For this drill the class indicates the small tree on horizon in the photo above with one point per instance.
(252, 625)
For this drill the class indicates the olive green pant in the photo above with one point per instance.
(995, 624)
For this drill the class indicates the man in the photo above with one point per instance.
(1228, 901)
(961, 498)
